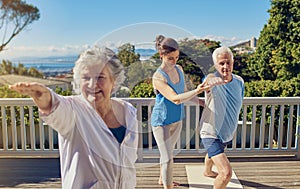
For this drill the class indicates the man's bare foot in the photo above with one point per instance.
(211, 174)
(174, 183)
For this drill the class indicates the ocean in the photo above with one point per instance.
(56, 65)
(49, 66)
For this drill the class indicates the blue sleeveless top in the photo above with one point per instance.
(164, 111)
(119, 133)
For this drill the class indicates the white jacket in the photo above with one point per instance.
(90, 155)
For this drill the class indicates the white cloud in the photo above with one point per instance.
(44, 51)
(41, 51)
(225, 40)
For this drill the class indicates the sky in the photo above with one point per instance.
(67, 27)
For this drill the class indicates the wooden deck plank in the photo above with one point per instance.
(29, 173)
(197, 180)
(273, 174)
(279, 173)
(148, 174)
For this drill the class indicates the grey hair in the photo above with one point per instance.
(99, 56)
(221, 50)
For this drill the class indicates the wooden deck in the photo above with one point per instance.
(275, 173)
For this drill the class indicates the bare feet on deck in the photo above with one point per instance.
(176, 184)
(211, 174)
(161, 183)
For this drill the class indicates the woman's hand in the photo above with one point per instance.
(202, 87)
(40, 94)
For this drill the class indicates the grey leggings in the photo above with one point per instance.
(166, 138)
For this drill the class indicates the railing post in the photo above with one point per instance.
(4, 129)
(298, 132)
(140, 132)
(30, 135)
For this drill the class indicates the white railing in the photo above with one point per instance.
(268, 126)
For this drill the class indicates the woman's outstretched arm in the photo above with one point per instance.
(40, 94)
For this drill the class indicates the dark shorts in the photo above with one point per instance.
(214, 146)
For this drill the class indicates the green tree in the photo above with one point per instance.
(198, 52)
(20, 70)
(268, 88)
(5, 92)
(143, 89)
(127, 55)
(15, 15)
(136, 71)
(195, 58)
(35, 73)
(60, 91)
(139, 71)
(7, 67)
(278, 52)
(241, 67)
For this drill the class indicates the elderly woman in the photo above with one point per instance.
(97, 134)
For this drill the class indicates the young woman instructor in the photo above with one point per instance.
(168, 112)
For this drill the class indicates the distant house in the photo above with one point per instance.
(51, 83)
(245, 47)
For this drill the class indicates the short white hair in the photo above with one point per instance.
(99, 56)
(221, 50)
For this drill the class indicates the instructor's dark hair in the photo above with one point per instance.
(165, 45)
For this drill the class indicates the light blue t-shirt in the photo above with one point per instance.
(222, 107)
(164, 111)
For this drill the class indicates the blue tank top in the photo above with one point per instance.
(119, 133)
(164, 111)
